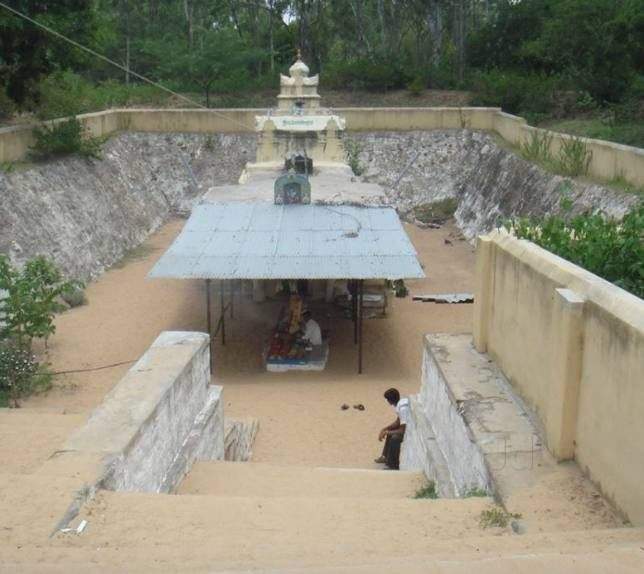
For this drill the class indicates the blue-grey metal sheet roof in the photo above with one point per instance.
(267, 241)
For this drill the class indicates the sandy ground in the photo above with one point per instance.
(300, 416)
(301, 423)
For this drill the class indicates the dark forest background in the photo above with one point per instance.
(549, 60)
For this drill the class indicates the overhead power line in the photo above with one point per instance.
(114, 63)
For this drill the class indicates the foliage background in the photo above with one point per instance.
(546, 59)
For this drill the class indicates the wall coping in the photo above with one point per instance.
(610, 161)
(621, 304)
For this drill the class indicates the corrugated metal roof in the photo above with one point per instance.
(267, 241)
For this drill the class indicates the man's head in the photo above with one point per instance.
(392, 396)
(306, 315)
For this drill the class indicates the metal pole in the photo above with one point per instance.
(354, 310)
(209, 321)
(232, 299)
(223, 312)
(360, 328)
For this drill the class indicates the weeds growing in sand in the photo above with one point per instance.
(427, 491)
(496, 517)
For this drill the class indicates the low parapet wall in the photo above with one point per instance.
(572, 345)
(609, 160)
(160, 418)
(438, 439)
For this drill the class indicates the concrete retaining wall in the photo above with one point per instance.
(572, 344)
(160, 418)
(438, 441)
(609, 160)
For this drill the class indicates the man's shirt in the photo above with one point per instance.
(312, 332)
(404, 411)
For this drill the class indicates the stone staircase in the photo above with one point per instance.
(252, 479)
(230, 516)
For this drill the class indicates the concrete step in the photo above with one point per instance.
(250, 479)
(591, 552)
(28, 438)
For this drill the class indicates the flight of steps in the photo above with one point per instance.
(254, 516)
(254, 479)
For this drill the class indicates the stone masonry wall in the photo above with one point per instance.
(86, 214)
(490, 182)
(160, 418)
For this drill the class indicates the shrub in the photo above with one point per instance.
(63, 94)
(574, 157)
(364, 74)
(496, 517)
(20, 374)
(427, 491)
(532, 95)
(353, 150)
(64, 138)
(416, 86)
(607, 247)
(30, 300)
(476, 492)
(537, 147)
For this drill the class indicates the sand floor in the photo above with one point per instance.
(301, 423)
(299, 413)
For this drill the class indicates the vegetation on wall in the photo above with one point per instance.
(607, 247)
(64, 138)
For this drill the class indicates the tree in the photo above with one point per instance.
(28, 52)
(30, 300)
(218, 59)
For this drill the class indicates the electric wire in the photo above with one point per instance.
(120, 66)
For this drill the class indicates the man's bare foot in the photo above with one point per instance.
(380, 460)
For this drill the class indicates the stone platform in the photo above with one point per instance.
(471, 433)
(332, 184)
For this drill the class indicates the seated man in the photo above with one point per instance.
(394, 433)
(311, 330)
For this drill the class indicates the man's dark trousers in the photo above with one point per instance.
(391, 450)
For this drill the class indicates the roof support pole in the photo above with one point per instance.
(232, 299)
(360, 310)
(209, 322)
(223, 312)
(354, 309)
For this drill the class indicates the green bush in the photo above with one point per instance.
(64, 138)
(417, 86)
(353, 150)
(574, 157)
(20, 374)
(30, 300)
(607, 247)
(537, 147)
(532, 95)
(364, 74)
(427, 491)
(496, 517)
(65, 94)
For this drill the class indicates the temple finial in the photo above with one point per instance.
(299, 54)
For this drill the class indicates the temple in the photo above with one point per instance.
(299, 127)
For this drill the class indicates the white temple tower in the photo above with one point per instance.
(299, 126)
